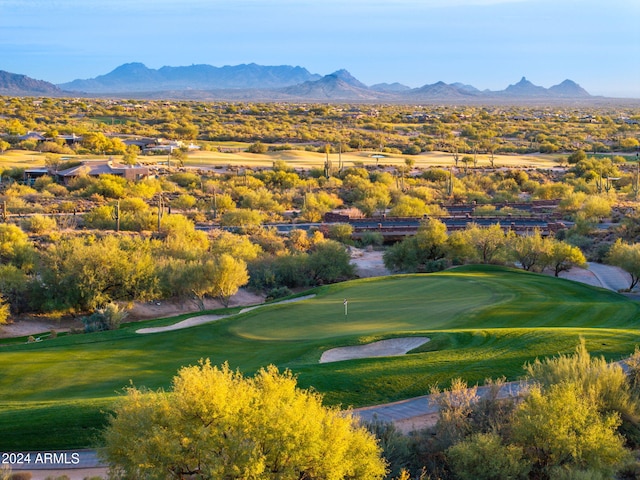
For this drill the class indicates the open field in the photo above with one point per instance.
(298, 159)
(482, 322)
(303, 159)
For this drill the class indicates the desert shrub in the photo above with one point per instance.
(396, 447)
(56, 190)
(42, 182)
(39, 224)
(278, 292)
(483, 456)
(107, 318)
(186, 179)
(262, 275)
(374, 239)
(434, 266)
(258, 147)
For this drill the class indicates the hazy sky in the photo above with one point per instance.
(485, 43)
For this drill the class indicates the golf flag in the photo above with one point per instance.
(345, 303)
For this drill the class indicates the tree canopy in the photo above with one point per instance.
(217, 424)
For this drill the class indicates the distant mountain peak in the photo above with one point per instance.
(136, 77)
(390, 87)
(568, 88)
(17, 84)
(346, 77)
(526, 89)
(131, 66)
(441, 89)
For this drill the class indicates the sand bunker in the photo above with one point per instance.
(384, 348)
(200, 319)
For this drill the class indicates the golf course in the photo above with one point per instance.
(482, 321)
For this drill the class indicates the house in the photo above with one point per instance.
(31, 174)
(70, 139)
(95, 168)
(38, 137)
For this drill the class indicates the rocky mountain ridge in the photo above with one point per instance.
(277, 83)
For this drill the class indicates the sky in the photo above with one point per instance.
(485, 43)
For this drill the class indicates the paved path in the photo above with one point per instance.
(75, 464)
(610, 277)
(424, 405)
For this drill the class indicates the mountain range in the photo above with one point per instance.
(276, 83)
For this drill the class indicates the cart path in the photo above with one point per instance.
(610, 277)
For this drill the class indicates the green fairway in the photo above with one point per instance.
(483, 322)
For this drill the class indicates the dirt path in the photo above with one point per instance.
(368, 263)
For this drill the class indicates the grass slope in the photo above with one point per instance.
(483, 321)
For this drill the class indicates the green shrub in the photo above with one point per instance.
(107, 318)
(39, 224)
(278, 292)
(374, 239)
(484, 457)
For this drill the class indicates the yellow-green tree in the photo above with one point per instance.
(15, 247)
(530, 251)
(560, 428)
(4, 310)
(489, 243)
(228, 275)
(217, 424)
(563, 256)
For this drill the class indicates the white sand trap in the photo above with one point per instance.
(189, 322)
(384, 348)
(200, 319)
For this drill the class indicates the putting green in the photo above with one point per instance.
(482, 321)
(401, 304)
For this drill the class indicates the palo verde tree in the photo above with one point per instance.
(214, 423)
(4, 310)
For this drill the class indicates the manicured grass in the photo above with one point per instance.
(483, 321)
